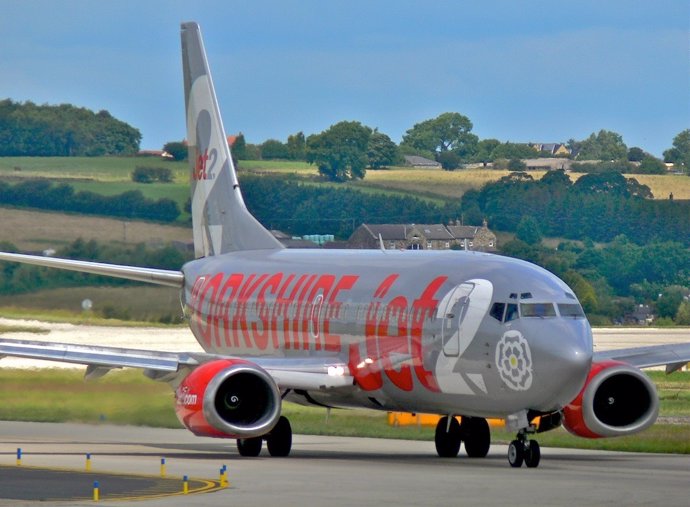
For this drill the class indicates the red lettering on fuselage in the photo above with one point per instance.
(393, 339)
(244, 311)
(261, 311)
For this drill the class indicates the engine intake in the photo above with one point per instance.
(228, 399)
(618, 399)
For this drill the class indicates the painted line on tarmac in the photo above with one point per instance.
(162, 487)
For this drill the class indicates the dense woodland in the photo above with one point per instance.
(44, 194)
(307, 209)
(27, 129)
(597, 207)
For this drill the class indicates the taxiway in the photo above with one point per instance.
(334, 471)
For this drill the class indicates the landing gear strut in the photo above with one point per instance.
(278, 441)
(524, 450)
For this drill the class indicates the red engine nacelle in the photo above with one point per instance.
(228, 398)
(618, 399)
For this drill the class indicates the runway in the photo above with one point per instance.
(337, 471)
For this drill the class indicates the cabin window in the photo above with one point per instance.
(511, 312)
(537, 310)
(571, 310)
(497, 311)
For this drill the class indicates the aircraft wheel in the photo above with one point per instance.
(447, 442)
(476, 435)
(516, 453)
(279, 440)
(532, 454)
(250, 447)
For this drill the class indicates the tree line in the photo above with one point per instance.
(611, 279)
(44, 194)
(346, 149)
(31, 130)
(299, 208)
(597, 206)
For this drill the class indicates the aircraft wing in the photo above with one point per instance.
(298, 373)
(148, 275)
(673, 356)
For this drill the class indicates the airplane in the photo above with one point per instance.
(454, 333)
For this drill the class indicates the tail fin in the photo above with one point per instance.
(220, 218)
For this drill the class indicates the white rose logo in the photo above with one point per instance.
(514, 361)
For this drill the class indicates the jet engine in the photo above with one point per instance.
(228, 398)
(618, 399)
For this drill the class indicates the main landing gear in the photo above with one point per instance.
(524, 450)
(474, 431)
(278, 441)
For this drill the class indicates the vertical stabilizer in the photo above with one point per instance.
(220, 218)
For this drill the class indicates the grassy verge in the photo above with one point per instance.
(67, 317)
(126, 397)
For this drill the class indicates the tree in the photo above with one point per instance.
(177, 149)
(447, 132)
(340, 152)
(272, 149)
(679, 154)
(381, 151)
(683, 314)
(528, 230)
(651, 165)
(636, 154)
(605, 145)
(556, 179)
(297, 146)
(485, 149)
(515, 164)
(613, 183)
(669, 302)
(513, 151)
(239, 147)
(449, 160)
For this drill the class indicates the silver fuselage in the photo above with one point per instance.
(444, 332)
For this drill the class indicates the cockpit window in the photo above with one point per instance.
(537, 310)
(497, 311)
(511, 312)
(571, 310)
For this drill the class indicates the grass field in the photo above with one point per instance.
(111, 175)
(126, 397)
(88, 168)
(38, 230)
(143, 303)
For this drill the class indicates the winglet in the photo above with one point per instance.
(220, 219)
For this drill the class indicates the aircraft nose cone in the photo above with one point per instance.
(569, 359)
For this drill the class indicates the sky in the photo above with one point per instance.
(522, 71)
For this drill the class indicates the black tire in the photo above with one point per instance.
(447, 442)
(279, 440)
(476, 435)
(516, 453)
(249, 447)
(533, 454)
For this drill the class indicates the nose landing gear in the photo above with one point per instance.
(522, 449)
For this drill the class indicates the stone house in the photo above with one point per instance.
(424, 237)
